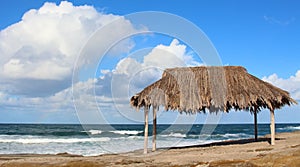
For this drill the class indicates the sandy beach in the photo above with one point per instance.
(286, 152)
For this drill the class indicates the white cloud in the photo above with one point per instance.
(40, 64)
(111, 92)
(174, 55)
(273, 20)
(61, 101)
(128, 66)
(38, 54)
(141, 74)
(45, 44)
(130, 76)
(291, 84)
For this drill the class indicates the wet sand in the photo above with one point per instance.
(286, 152)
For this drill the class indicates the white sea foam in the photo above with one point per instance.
(51, 140)
(136, 137)
(234, 135)
(297, 127)
(111, 141)
(93, 132)
(178, 135)
(290, 128)
(194, 136)
(126, 132)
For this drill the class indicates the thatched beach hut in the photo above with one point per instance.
(215, 88)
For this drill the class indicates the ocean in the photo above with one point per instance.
(90, 140)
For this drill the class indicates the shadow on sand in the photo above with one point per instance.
(229, 142)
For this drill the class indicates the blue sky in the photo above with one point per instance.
(40, 43)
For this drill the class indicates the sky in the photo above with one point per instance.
(80, 62)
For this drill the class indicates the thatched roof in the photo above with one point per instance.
(194, 89)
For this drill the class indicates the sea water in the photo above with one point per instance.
(91, 140)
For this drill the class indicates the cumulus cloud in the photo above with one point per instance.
(111, 92)
(141, 74)
(291, 84)
(44, 46)
(58, 102)
(130, 76)
(174, 55)
(38, 54)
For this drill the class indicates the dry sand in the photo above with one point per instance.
(246, 153)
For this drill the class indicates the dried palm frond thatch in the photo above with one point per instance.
(194, 89)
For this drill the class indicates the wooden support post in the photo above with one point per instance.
(255, 124)
(154, 129)
(146, 110)
(272, 126)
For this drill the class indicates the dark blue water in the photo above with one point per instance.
(100, 139)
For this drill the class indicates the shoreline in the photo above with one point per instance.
(244, 152)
